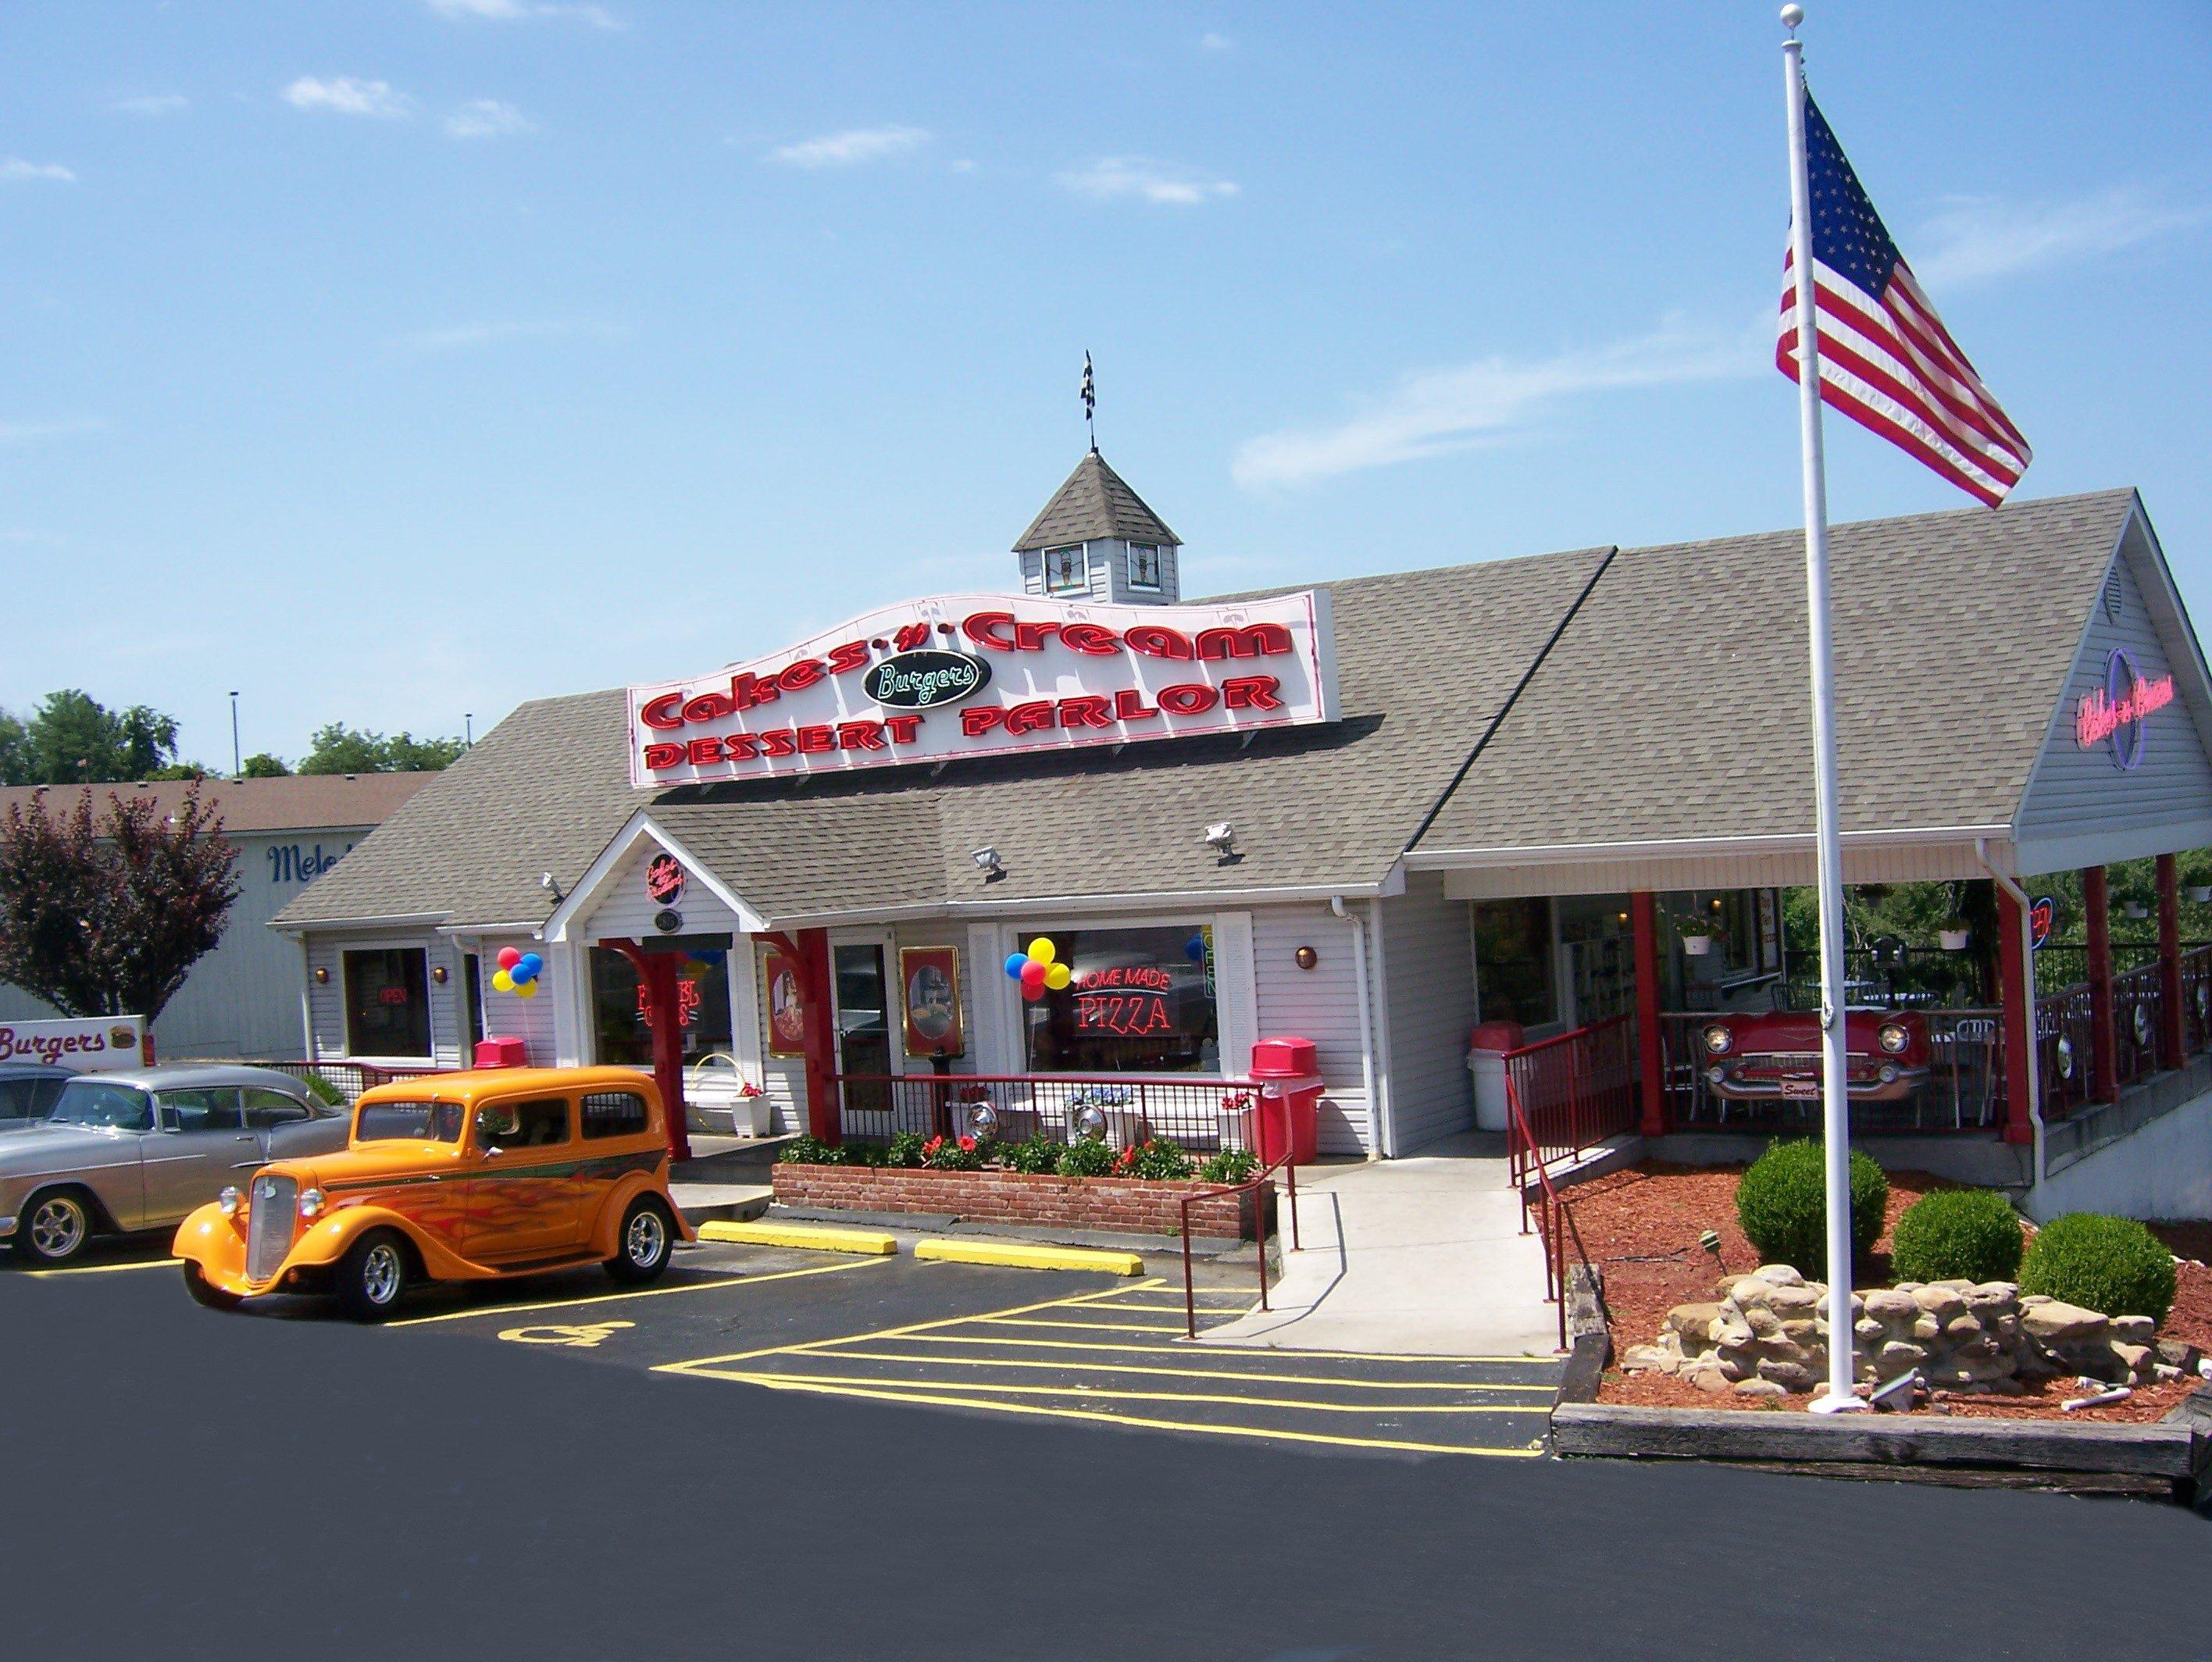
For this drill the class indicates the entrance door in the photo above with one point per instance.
(864, 1020)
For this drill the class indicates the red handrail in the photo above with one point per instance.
(1263, 1177)
(1558, 1222)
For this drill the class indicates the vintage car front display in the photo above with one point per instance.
(454, 1177)
(1776, 1055)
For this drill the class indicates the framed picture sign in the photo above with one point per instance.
(929, 988)
(781, 1001)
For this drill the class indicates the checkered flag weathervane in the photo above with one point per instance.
(1090, 403)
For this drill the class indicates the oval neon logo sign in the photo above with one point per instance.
(923, 680)
(2117, 710)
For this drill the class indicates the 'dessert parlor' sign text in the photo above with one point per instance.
(987, 675)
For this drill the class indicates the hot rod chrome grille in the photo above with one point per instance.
(271, 1210)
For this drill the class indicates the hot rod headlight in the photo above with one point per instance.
(311, 1204)
(228, 1201)
(1719, 1040)
(1894, 1037)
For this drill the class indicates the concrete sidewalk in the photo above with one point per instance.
(1421, 1256)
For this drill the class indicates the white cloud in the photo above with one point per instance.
(487, 118)
(152, 103)
(30, 432)
(1115, 177)
(348, 96)
(852, 146)
(1435, 411)
(1213, 42)
(16, 167)
(1982, 239)
(515, 11)
(463, 337)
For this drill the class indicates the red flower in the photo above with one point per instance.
(967, 1145)
(932, 1147)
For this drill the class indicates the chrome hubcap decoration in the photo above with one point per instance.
(58, 1227)
(380, 1272)
(647, 1239)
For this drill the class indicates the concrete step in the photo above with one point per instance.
(707, 1203)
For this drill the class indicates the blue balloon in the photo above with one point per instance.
(1014, 963)
(533, 963)
(1194, 949)
(522, 974)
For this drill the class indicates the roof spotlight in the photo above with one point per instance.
(1221, 837)
(987, 862)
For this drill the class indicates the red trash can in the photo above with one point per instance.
(1289, 1078)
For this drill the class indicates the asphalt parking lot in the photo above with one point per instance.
(938, 1337)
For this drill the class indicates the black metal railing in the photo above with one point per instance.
(1199, 1115)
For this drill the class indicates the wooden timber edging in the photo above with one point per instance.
(2175, 1450)
(1589, 1341)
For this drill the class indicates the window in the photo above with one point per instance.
(472, 977)
(1145, 566)
(537, 1125)
(29, 1098)
(1067, 571)
(622, 1025)
(112, 1108)
(214, 1110)
(265, 1110)
(1513, 961)
(387, 993)
(613, 1113)
(409, 1122)
(1137, 1001)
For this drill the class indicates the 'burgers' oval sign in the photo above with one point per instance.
(923, 680)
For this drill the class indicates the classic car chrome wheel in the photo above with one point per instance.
(644, 1244)
(373, 1275)
(55, 1228)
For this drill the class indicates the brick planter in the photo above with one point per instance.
(1130, 1205)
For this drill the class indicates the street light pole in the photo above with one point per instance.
(237, 767)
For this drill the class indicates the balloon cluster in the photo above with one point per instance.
(518, 971)
(1036, 970)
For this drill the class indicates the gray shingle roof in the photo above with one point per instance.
(1095, 502)
(297, 802)
(1673, 705)
(1677, 704)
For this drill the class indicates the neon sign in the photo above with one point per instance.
(1130, 1016)
(1025, 674)
(2116, 710)
(663, 879)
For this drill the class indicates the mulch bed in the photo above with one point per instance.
(1640, 1226)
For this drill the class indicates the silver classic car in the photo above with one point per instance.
(123, 1152)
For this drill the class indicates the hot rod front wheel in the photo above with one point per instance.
(372, 1276)
(641, 1248)
(205, 1292)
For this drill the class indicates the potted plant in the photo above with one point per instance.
(1954, 934)
(2201, 893)
(1697, 932)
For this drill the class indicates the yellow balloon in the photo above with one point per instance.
(1040, 950)
(1057, 977)
(503, 981)
(527, 989)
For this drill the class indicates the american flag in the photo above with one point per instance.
(1886, 361)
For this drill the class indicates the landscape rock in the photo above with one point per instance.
(1761, 1387)
(2051, 1322)
(2133, 1330)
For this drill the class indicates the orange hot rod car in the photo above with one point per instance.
(456, 1177)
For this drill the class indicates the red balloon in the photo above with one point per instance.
(1032, 991)
(509, 956)
(1033, 973)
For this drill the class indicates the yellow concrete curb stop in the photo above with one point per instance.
(818, 1237)
(1008, 1255)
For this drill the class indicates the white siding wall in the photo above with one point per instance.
(2078, 792)
(627, 911)
(1321, 1004)
(327, 1002)
(1430, 982)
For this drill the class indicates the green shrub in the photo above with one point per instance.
(1156, 1160)
(323, 1091)
(866, 1154)
(1230, 1166)
(1957, 1234)
(952, 1153)
(2109, 1263)
(1040, 1154)
(808, 1150)
(905, 1149)
(1087, 1156)
(1782, 1205)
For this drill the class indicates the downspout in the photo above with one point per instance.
(2034, 1073)
(1376, 1119)
(306, 1001)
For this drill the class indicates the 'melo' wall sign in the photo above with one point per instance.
(990, 675)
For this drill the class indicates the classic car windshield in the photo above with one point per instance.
(409, 1122)
(97, 1103)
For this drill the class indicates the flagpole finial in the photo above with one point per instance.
(1792, 15)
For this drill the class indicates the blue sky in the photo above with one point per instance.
(403, 358)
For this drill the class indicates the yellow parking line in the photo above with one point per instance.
(1179, 1372)
(1084, 1326)
(770, 1381)
(1089, 1394)
(913, 1328)
(1186, 1348)
(643, 1292)
(104, 1269)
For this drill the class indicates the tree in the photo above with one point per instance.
(72, 738)
(264, 766)
(107, 918)
(338, 749)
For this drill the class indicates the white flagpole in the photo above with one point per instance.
(1835, 1095)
